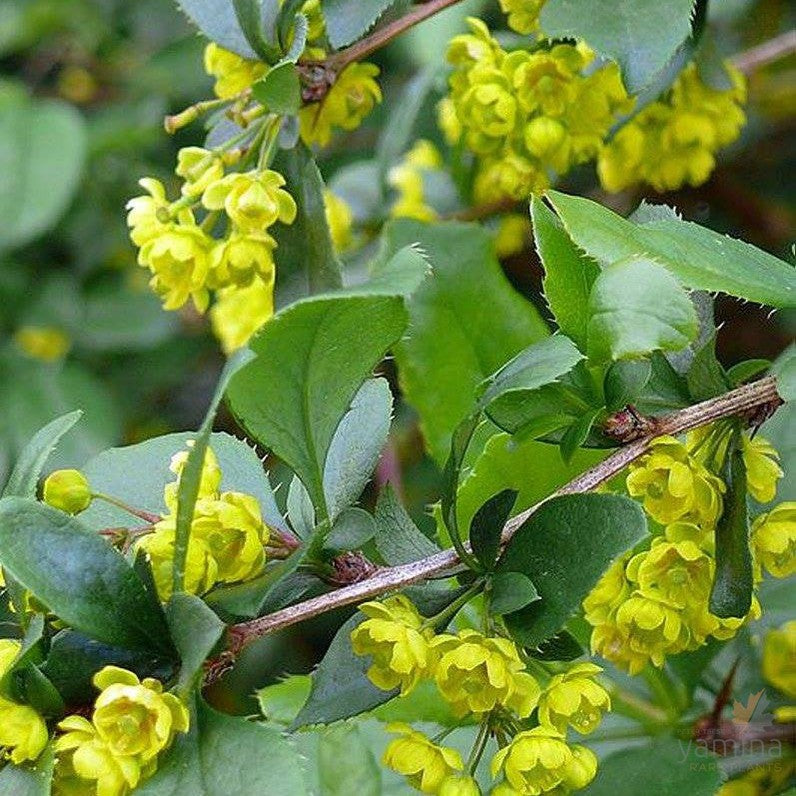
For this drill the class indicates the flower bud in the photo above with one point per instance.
(67, 490)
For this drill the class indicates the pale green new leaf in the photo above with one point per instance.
(218, 20)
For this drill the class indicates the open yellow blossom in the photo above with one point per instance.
(674, 486)
(575, 699)
(45, 343)
(147, 215)
(476, 673)
(89, 758)
(352, 96)
(253, 200)
(774, 539)
(424, 764)
(779, 658)
(198, 167)
(67, 490)
(134, 717)
(762, 469)
(238, 312)
(393, 635)
(232, 72)
(242, 257)
(611, 591)
(540, 761)
(523, 15)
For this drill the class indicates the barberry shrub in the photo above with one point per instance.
(610, 559)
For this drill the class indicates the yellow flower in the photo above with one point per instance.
(448, 122)
(574, 698)
(233, 531)
(785, 714)
(459, 785)
(610, 592)
(393, 635)
(148, 215)
(42, 342)
(774, 539)
(539, 761)
(680, 573)
(232, 72)
(133, 717)
(512, 234)
(178, 258)
(198, 167)
(475, 673)
(201, 569)
(652, 628)
(407, 179)
(209, 481)
(510, 176)
(425, 765)
(673, 141)
(91, 759)
(523, 15)
(674, 486)
(23, 732)
(67, 490)
(9, 649)
(242, 257)
(613, 643)
(779, 658)
(352, 96)
(254, 200)
(238, 312)
(762, 470)
(339, 218)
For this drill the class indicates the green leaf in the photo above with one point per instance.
(465, 323)
(744, 371)
(349, 20)
(731, 595)
(300, 510)
(398, 539)
(42, 151)
(511, 591)
(340, 686)
(280, 703)
(636, 306)
(136, 474)
(74, 658)
(705, 377)
(28, 468)
(218, 20)
(698, 257)
(28, 650)
(307, 239)
(487, 526)
(667, 767)
(577, 434)
(338, 761)
(195, 630)
(563, 646)
(534, 469)
(79, 576)
(569, 275)
(226, 756)
(296, 392)
(357, 445)
(624, 382)
(640, 35)
(188, 489)
(279, 89)
(29, 780)
(564, 548)
(249, 14)
(351, 530)
(785, 371)
(539, 364)
(666, 388)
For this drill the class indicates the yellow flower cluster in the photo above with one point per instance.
(655, 603)
(523, 15)
(351, 97)
(480, 676)
(133, 721)
(407, 180)
(673, 142)
(227, 539)
(23, 733)
(527, 115)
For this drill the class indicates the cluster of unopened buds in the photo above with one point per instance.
(484, 679)
(131, 723)
(654, 602)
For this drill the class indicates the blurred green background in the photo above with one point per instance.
(84, 87)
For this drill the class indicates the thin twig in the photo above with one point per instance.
(737, 402)
(772, 50)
